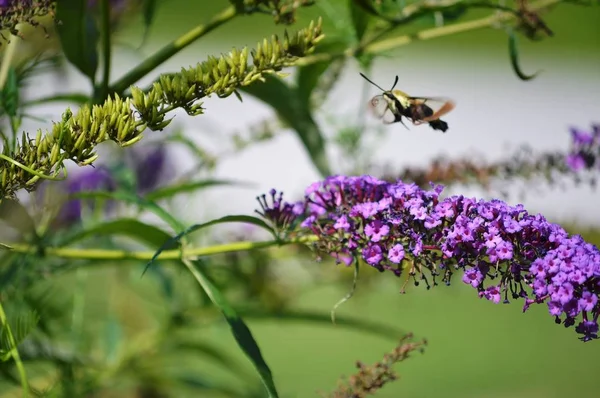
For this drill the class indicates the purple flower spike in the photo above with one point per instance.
(505, 252)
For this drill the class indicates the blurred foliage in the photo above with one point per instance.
(75, 318)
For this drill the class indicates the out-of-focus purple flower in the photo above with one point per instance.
(87, 180)
(150, 164)
(585, 149)
(502, 249)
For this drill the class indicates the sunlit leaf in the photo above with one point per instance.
(240, 330)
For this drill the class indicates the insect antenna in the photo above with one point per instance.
(370, 81)
(395, 82)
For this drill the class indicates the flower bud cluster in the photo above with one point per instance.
(123, 120)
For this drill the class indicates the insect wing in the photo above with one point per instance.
(429, 109)
(379, 106)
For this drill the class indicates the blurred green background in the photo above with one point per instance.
(475, 348)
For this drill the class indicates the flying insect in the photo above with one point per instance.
(392, 105)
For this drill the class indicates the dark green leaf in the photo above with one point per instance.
(149, 11)
(78, 35)
(20, 327)
(170, 191)
(367, 6)
(134, 199)
(208, 350)
(146, 233)
(208, 384)
(241, 332)
(239, 6)
(360, 19)
(290, 108)
(325, 319)
(15, 214)
(227, 219)
(514, 57)
(10, 94)
(309, 75)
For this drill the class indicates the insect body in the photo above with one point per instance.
(392, 105)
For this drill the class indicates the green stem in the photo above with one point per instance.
(373, 46)
(106, 254)
(30, 170)
(106, 51)
(141, 70)
(14, 352)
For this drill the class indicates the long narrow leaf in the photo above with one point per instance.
(134, 199)
(325, 319)
(514, 57)
(146, 233)
(240, 330)
(170, 191)
(227, 219)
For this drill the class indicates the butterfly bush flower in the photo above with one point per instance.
(585, 149)
(504, 252)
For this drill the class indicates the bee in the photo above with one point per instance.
(392, 105)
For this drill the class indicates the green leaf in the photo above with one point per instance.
(325, 319)
(134, 199)
(208, 384)
(78, 35)
(241, 332)
(170, 191)
(514, 57)
(10, 94)
(20, 327)
(227, 219)
(295, 112)
(15, 214)
(240, 8)
(77, 98)
(113, 337)
(309, 75)
(360, 19)
(145, 233)
(149, 11)
(209, 351)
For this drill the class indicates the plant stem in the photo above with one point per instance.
(374, 47)
(14, 352)
(175, 254)
(171, 49)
